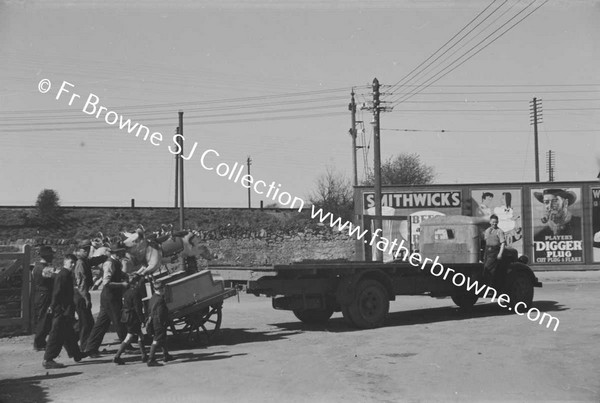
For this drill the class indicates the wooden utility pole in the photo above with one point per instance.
(177, 158)
(249, 162)
(536, 117)
(550, 161)
(181, 217)
(352, 109)
(377, 166)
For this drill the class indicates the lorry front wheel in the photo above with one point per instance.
(370, 306)
(519, 288)
(314, 316)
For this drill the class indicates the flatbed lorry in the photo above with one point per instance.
(362, 291)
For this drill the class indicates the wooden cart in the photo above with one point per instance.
(195, 304)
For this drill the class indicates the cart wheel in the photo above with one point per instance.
(211, 320)
(199, 326)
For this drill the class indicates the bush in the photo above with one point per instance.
(48, 206)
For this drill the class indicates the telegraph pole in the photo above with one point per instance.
(550, 160)
(181, 217)
(352, 109)
(377, 165)
(177, 158)
(249, 162)
(536, 117)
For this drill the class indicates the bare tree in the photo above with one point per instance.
(334, 194)
(404, 169)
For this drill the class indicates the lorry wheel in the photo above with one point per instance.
(465, 300)
(314, 316)
(519, 288)
(370, 306)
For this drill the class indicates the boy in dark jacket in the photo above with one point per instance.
(43, 279)
(132, 316)
(62, 309)
(157, 324)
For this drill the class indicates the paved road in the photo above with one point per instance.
(428, 351)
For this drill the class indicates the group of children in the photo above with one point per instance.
(56, 302)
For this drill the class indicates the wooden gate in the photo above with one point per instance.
(15, 313)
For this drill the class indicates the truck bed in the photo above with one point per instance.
(329, 269)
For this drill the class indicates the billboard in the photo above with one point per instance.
(596, 223)
(414, 200)
(508, 206)
(556, 224)
(414, 206)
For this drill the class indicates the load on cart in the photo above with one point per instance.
(194, 297)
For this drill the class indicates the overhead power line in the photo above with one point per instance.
(437, 76)
(391, 88)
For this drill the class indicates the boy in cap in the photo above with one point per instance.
(132, 316)
(62, 309)
(83, 283)
(43, 280)
(157, 324)
(114, 283)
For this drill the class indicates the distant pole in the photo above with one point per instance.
(177, 158)
(377, 166)
(181, 217)
(550, 160)
(132, 203)
(536, 117)
(352, 109)
(249, 162)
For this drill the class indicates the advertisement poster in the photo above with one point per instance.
(596, 223)
(557, 225)
(414, 200)
(415, 225)
(507, 205)
(413, 207)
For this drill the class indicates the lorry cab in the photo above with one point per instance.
(455, 239)
(459, 240)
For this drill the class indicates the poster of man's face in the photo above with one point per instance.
(507, 205)
(556, 225)
(596, 223)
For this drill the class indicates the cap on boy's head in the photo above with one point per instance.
(86, 243)
(46, 251)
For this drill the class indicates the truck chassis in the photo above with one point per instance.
(362, 291)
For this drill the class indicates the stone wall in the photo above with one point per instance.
(255, 250)
(282, 249)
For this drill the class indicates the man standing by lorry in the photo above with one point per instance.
(494, 247)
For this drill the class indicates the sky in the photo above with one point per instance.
(271, 80)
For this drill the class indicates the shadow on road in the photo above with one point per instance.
(231, 337)
(192, 357)
(423, 316)
(30, 389)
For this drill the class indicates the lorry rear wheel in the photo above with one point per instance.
(314, 316)
(370, 306)
(519, 288)
(465, 300)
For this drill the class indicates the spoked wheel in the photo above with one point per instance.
(199, 326)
